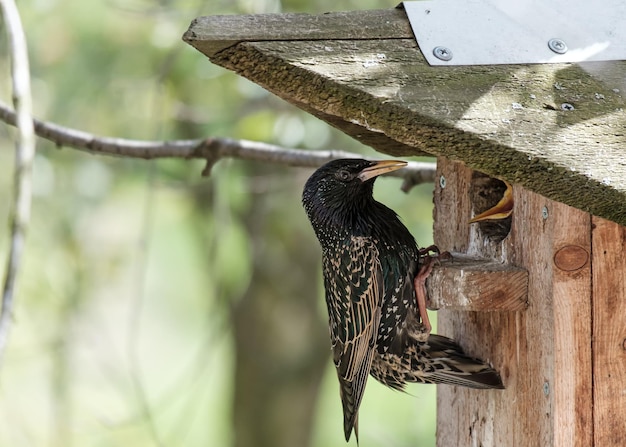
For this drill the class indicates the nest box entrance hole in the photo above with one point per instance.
(485, 193)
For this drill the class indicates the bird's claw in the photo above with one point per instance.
(445, 256)
(437, 255)
(427, 250)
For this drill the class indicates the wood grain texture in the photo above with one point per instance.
(572, 300)
(506, 121)
(212, 34)
(609, 333)
(544, 352)
(476, 285)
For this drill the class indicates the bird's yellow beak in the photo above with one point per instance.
(381, 167)
(502, 210)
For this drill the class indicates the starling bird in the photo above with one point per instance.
(374, 277)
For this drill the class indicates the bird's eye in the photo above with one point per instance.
(343, 175)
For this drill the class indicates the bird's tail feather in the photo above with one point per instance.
(454, 367)
(350, 404)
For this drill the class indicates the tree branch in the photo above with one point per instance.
(210, 149)
(24, 154)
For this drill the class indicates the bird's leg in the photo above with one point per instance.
(420, 291)
(419, 282)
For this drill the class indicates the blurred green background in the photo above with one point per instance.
(156, 307)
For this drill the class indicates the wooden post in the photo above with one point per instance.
(562, 389)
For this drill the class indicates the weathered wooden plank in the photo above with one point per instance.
(543, 352)
(468, 417)
(477, 285)
(609, 333)
(506, 121)
(573, 365)
(531, 245)
(215, 33)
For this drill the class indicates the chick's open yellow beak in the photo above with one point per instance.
(502, 210)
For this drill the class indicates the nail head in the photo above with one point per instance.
(558, 46)
(442, 53)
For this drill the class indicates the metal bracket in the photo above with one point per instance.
(487, 32)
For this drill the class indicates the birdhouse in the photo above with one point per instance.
(540, 293)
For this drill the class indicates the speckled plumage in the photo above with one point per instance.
(369, 261)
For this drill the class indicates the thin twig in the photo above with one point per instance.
(24, 154)
(210, 149)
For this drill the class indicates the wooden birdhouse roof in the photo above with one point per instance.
(556, 129)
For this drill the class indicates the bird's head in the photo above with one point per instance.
(343, 186)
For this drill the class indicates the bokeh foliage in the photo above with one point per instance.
(123, 333)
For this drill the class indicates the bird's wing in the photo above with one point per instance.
(354, 290)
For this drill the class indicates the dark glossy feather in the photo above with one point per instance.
(354, 320)
(369, 261)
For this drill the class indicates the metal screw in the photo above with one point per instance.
(442, 53)
(442, 182)
(567, 107)
(558, 46)
(546, 388)
(544, 212)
